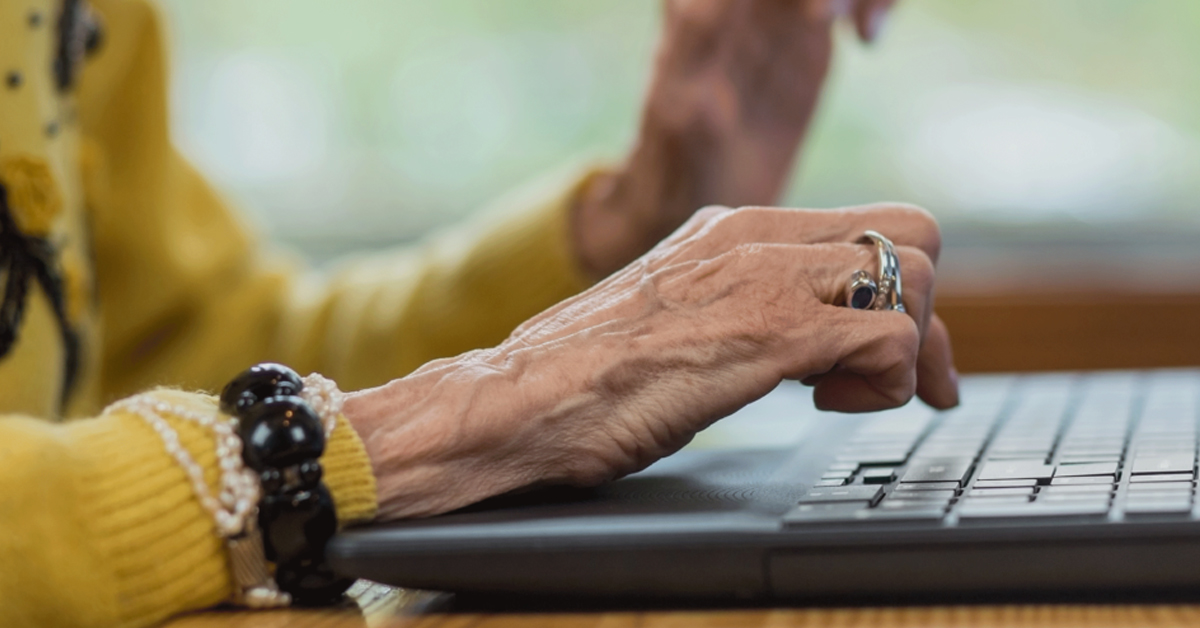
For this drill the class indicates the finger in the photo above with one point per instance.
(846, 390)
(873, 353)
(876, 369)
(813, 380)
(937, 380)
(917, 282)
(699, 220)
(784, 295)
(904, 225)
(835, 263)
(869, 18)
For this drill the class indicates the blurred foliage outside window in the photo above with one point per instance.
(369, 122)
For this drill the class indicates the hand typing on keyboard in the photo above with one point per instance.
(711, 319)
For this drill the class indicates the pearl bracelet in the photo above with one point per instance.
(239, 493)
(236, 508)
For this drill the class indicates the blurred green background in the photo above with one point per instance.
(1021, 124)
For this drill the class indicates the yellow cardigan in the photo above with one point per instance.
(152, 281)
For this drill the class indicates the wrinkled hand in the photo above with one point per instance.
(711, 319)
(734, 87)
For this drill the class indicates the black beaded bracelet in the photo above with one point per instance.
(282, 440)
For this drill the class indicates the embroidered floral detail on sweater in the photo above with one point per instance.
(33, 197)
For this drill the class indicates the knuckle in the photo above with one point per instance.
(914, 212)
(710, 213)
(742, 218)
(922, 228)
(918, 270)
(902, 395)
(696, 226)
(903, 382)
(902, 344)
(746, 249)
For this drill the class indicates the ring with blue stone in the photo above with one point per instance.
(861, 291)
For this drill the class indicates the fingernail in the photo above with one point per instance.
(957, 389)
(875, 22)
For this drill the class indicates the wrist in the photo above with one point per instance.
(486, 423)
(442, 437)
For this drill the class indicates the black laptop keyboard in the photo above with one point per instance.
(1103, 447)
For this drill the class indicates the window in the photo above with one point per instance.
(1056, 141)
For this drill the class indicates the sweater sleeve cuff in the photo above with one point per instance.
(348, 475)
(159, 544)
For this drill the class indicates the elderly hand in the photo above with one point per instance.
(734, 87)
(711, 319)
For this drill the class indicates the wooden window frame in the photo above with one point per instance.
(1100, 330)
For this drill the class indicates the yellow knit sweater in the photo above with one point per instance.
(136, 275)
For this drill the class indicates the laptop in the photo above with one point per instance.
(1063, 482)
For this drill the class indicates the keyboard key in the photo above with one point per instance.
(942, 495)
(841, 494)
(982, 510)
(1079, 470)
(1015, 500)
(1001, 492)
(1160, 487)
(827, 483)
(906, 504)
(1162, 496)
(923, 512)
(1115, 449)
(937, 470)
(1092, 445)
(1070, 459)
(1179, 463)
(927, 486)
(1171, 443)
(1018, 454)
(878, 476)
(805, 514)
(1146, 500)
(1075, 498)
(1157, 507)
(1158, 503)
(1157, 497)
(1076, 489)
(868, 458)
(1012, 483)
(1163, 477)
(1081, 481)
(1009, 469)
(844, 466)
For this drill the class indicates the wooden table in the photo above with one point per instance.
(377, 606)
